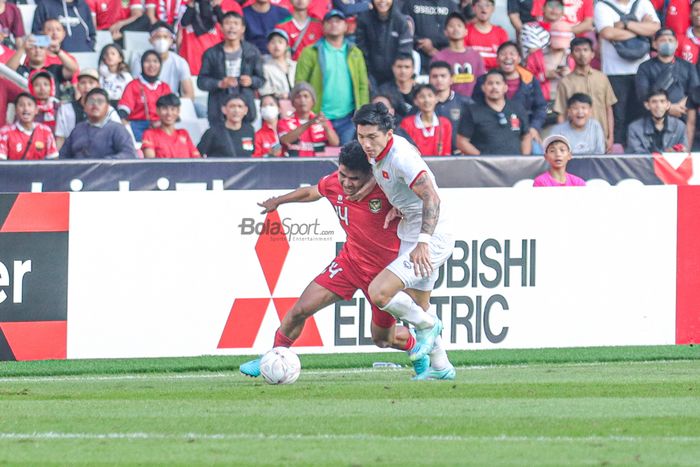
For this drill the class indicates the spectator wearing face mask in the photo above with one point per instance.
(665, 71)
(76, 18)
(175, 71)
(267, 142)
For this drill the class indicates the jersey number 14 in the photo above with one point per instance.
(342, 212)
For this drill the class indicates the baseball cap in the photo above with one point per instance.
(553, 139)
(40, 74)
(334, 13)
(91, 72)
(278, 32)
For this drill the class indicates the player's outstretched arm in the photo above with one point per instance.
(423, 187)
(305, 194)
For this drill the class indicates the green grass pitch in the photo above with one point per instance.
(600, 406)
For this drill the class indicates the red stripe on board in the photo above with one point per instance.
(688, 266)
(38, 212)
(243, 323)
(37, 340)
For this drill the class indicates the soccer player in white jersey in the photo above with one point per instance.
(403, 288)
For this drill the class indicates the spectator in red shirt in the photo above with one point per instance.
(11, 26)
(483, 36)
(106, 13)
(304, 134)
(431, 133)
(674, 14)
(303, 30)
(267, 143)
(138, 103)
(578, 13)
(166, 141)
(26, 139)
(689, 40)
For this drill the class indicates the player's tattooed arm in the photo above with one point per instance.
(424, 188)
(300, 195)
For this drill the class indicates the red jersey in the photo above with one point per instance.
(575, 11)
(432, 141)
(107, 12)
(265, 139)
(139, 98)
(14, 139)
(5, 54)
(175, 146)
(677, 15)
(688, 48)
(166, 10)
(314, 32)
(310, 142)
(486, 44)
(369, 245)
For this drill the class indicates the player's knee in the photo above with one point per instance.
(379, 295)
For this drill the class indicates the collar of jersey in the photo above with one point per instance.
(385, 151)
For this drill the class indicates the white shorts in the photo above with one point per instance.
(440, 247)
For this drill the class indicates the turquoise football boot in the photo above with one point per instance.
(425, 341)
(421, 365)
(251, 368)
(447, 374)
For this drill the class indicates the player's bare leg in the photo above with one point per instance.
(313, 299)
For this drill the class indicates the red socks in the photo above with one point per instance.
(283, 341)
(410, 342)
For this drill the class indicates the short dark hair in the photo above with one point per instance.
(161, 24)
(99, 91)
(403, 57)
(353, 157)
(168, 100)
(494, 71)
(693, 3)
(443, 64)
(374, 114)
(579, 97)
(24, 94)
(272, 96)
(420, 87)
(507, 44)
(232, 14)
(656, 92)
(576, 41)
(233, 96)
(459, 16)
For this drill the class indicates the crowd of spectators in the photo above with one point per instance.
(282, 78)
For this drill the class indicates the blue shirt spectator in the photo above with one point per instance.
(261, 18)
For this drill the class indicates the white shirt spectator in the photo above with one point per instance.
(604, 17)
(114, 83)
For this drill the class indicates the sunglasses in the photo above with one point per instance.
(502, 120)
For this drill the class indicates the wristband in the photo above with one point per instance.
(424, 238)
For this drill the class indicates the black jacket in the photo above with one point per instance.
(214, 70)
(382, 41)
(678, 78)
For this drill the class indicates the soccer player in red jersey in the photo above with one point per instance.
(371, 245)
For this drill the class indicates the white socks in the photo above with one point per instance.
(402, 306)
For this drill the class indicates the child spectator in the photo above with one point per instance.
(166, 141)
(233, 137)
(466, 63)
(114, 72)
(431, 133)
(267, 143)
(584, 133)
(43, 88)
(302, 30)
(261, 17)
(557, 153)
(304, 134)
(138, 103)
(483, 36)
(548, 60)
(278, 68)
(26, 139)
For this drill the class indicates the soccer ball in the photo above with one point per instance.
(280, 366)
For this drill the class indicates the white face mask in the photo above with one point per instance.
(269, 112)
(161, 45)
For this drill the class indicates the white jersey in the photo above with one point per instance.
(395, 172)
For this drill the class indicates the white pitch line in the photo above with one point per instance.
(232, 373)
(52, 435)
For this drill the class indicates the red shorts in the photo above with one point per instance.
(341, 278)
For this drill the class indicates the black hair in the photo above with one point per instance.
(161, 24)
(656, 92)
(274, 98)
(576, 41)
(374, 114)
(419, 87)
(24, 94)
(693, 3)
(99, 91)
(508, 44)
(232, 14)
(579, 97)
(233, 96)
(442, 64)
(495, 71)
(353, 157)
(459, 16)
(168, 100)
(403, 57)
